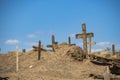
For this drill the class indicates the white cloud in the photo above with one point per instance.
(79, 44)
(96, 50)
(31, 36)
(31, 43)
(72, 35)
(39, 32)
(12, 42)
(103, 44)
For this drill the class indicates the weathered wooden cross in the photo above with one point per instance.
(84, 36)
(89, 45)
(69, 41)
(54, 44)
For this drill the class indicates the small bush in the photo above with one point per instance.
(98, 52)
(108, 55)
(118, 55)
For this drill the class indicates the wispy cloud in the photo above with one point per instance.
(103, 44)
(79, 44)
(72, 35)
(31, 43)
(39, 32)
(31, 36)
(96, 50)
(12, 42)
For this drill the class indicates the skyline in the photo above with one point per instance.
(24, 23)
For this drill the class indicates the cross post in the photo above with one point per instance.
(54, 44)
(84, 36)
(39, 50)
(69, 41)
(89, 45)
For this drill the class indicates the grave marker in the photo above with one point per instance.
(39, 50)
(54, 44)
(113, 49)
(84, 36)
(69, 41)
(89, 45)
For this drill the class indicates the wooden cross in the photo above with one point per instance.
(89, 45)
(54, 44)
(69, 41)
(84, 36)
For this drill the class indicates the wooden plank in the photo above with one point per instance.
(92, 43)
(89, 35)
(49, 46)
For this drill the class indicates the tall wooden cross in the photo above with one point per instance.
(54, 44)
(84, 36)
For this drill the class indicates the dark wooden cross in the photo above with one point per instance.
(39, 50)
(69, 41)
(54, 44)
(84, 36)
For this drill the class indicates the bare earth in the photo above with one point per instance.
(52, 66)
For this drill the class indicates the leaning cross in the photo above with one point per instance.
(84, 36)
(89, 45)
(54, 44)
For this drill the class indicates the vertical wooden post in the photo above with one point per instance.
(89, 46)
(17, 66)
(39, 50)
(23, 50)
(107, 74)
(113, 49)
(69, 41)
(84, 40)
(53, 42)
(53, 39)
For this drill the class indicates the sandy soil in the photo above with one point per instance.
(51, 66)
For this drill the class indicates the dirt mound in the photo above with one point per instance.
(52, 65)
(75, 52)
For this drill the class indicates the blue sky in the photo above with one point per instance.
(24, 22)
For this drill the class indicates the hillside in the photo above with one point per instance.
(52, 66)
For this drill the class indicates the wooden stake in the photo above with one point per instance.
(89, 45)
(113, 49)
(69, 41)
(17, 49)
(39, 50)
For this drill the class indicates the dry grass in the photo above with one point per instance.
(52, 66)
